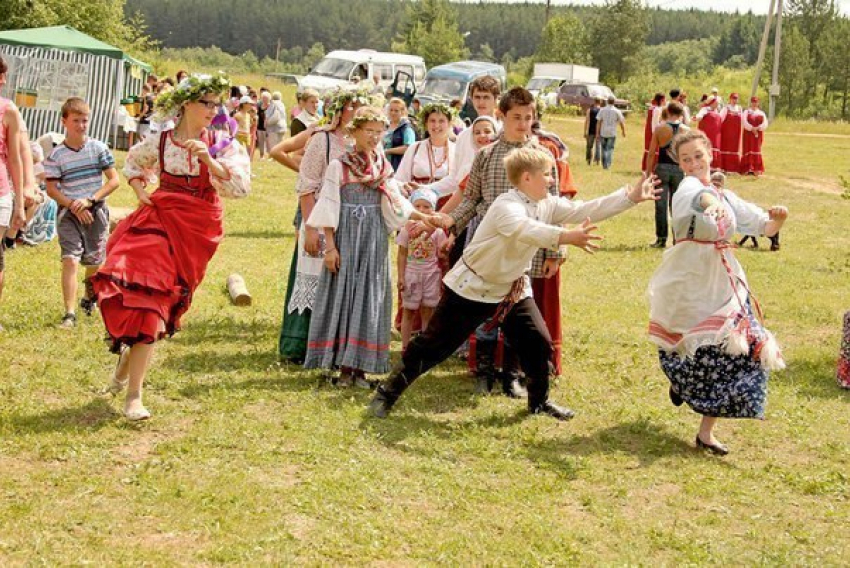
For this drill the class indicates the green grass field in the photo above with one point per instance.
(250, 462)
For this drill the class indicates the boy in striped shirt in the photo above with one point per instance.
(75, 172)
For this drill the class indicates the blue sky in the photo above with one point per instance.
(757, 6)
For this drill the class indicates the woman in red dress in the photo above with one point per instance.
(710, 122)
(653, 119)
(755, 123)
(730, 136)
(157, 256)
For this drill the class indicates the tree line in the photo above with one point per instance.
(268, 27)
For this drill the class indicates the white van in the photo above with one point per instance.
(345, 68)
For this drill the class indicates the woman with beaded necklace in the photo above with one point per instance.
(428, 160)
(425, 162)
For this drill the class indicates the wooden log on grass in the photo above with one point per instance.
(238, 291)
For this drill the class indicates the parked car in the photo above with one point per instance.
(548, 78)
(582, 94)
(346, 68)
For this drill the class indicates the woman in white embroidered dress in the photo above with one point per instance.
(712, 344)
(428, 160)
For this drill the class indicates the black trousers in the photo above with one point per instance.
(454, 319)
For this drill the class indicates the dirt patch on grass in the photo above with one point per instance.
(819, 185)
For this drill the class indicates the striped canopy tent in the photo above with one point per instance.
(48, 65)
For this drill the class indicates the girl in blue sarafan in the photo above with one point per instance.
(359, 205)
(712, 343)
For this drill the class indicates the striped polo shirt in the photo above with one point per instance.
(79, 173)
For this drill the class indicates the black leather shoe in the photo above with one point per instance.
(553, 410)
(774, 243)
(717, 449)
(513, 388)
(381, 405)
(675, 398)
(659, 244)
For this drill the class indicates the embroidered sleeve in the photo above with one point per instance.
(749, 217)
(313, 164)
(234, 158)
(143, 160)
(326, 211)
(395, 209)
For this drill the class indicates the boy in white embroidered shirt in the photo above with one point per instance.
(490, 280)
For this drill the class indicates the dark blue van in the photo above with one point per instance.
(444, 83)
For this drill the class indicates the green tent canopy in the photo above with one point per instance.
(67, 38)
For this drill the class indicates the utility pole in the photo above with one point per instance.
(548, 8)
(763, 47)
(777, 49)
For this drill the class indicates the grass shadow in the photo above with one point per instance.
(399, 427)
(216, 361)
(815, 377)
(228, 331)
(92, 416)
(641, 438)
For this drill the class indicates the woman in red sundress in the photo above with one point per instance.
(157, 256)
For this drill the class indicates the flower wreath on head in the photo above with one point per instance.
(369, 116)
(431, 108)
(342, 97)
(168, 105)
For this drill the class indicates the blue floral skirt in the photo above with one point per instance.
(715, 383)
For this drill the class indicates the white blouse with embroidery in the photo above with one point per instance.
(700, 278)
(423, 161)
(143, 163)
(326, 212)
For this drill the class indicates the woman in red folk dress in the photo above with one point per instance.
(653, 119)
(755, 123)
(710, 122)
(730, 136)
(157, 256)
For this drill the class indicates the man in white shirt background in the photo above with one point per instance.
(606, 128)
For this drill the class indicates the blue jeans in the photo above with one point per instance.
(607, 151)
(671, 176)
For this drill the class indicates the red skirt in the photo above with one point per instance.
(155, 260)
(751, 160)
(710, 124)
(547, 296)
(730, 143)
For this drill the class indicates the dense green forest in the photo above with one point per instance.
(285, 29)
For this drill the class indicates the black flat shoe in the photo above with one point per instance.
(381, 405)
(659, 244)
(675, 398)
(553, 410)
(717, 449)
